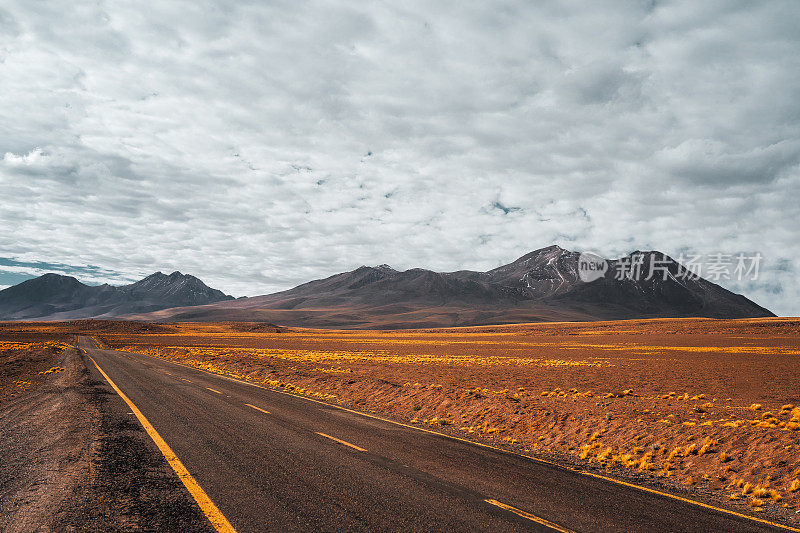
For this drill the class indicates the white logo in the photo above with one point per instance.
(591, 266)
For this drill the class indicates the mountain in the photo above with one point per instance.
(544, 285)
(57, 297)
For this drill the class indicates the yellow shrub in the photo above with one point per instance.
(673, 453)
(735, 423)
(767, 424)
(755, 406)
(707, 444)
(624, 458)
(585, 449)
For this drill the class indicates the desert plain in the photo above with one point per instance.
(709, 409)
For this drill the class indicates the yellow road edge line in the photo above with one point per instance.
(476, 443)
(188, 380)
(532, 458)
(257, 408)
(529, 516)
(213, 390)
(211, 511)
(551, 463)
(342, 442)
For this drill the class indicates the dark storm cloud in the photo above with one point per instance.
(229, 139)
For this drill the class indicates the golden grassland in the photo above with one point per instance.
(7, 346)
(20, 362)
(700, 403)
(692, 403)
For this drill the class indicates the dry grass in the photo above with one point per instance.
(683, 400)
(52, 370)
(26, 362)
(8, 346)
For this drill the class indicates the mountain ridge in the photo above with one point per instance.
(542, 285)
(61, 297)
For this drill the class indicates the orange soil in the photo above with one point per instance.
(28, 361)
(701, 404)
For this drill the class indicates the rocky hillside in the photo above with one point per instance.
(543, 285)
(57, 297)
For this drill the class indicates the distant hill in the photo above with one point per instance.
(543, 285)
(57, 297)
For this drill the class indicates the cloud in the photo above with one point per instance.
(260, 145)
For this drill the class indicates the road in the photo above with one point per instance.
(271, 461)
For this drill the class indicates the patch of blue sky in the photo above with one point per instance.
(13, 272)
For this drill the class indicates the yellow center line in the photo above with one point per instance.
(529, 516)
(503, 450)
(342, 442)
(213, 390)
(211, 511)
(257, 408)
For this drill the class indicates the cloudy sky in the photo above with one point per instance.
(258, 145)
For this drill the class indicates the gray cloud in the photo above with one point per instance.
(230, 139)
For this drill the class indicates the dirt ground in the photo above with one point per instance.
(46, 432)
(707, 407)
(71, 458)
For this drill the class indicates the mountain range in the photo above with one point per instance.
(58, 297)
(544, 285)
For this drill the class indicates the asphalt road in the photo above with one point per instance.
(275, 462)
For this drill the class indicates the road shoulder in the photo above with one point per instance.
(75, 459)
